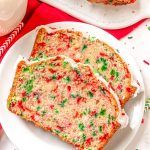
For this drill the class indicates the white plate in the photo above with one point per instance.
(23, 134)
(108, 17)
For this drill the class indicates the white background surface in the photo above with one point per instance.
(139, 47)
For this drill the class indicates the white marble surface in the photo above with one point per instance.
(139, 46)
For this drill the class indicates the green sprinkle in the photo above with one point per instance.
(91, 123)
(89, 148)
(24, 99)
(90, 94)
(104, 67)
(148, 28)
(54, 77)
(109, 119)
(83, 137)
(94, 133)
(56, 111)
(96, 115)
(65, 63)
(52, 96)
(67, 79)
(62, 104)
(87, 111)
(43, 113)
(118, 50)
(103, 112)
(84, 47)
(95, 71)
(56, 131)
(130, 37)
(81, 126)
(29, 86)
(102, 90)
(34, 59)
(73, 95)
(114, 73)
(104, 62)
(26, 69)
(100, 129)
(87, 61)
(51, 64)
(38, 108)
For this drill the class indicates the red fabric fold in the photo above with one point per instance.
(41, 13)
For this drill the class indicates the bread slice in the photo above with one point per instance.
(66, 99)
(113, 2)
(98, 54)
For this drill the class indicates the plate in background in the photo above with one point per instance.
(104, 16)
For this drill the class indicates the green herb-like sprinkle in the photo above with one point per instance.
(94, 133)
(83, 137)
(43, 113)
(130, 37)
(81, 127)
(56, 111)
(52, 96)
(104, 62)
(100, 129)
(29, 86)
(67, 79)
(24, 99)
(38, 108)
(87, 61)
(87, 111)
(91, 123)
(65, 63)
(51, 64)
(54, 77)
(62, 104)
(90, 94)
(73, 95)
(84, 47)
(103, 112)
(56, 131)
(26, 69)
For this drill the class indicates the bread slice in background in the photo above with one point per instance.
(113, 2)
(66, 99)
(98, 54)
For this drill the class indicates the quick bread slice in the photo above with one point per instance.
(113, 2)
(98, 54)
(66, 99)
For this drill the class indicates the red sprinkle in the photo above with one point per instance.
(93, 113)
(20, 105)
(88, 141)
(142, 122)
(123, 114)
(51, 106)
(146, 62)
(23, 94)
(128, 89)
(69, 88)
